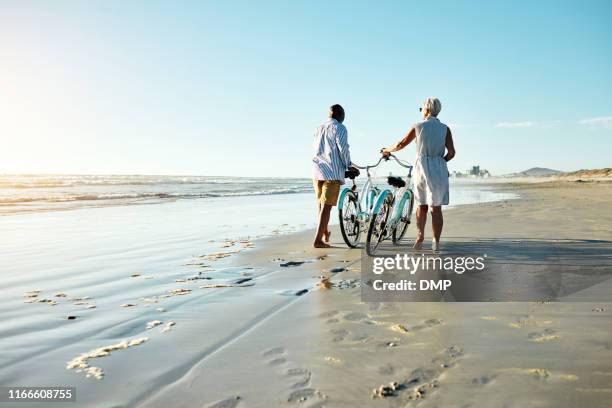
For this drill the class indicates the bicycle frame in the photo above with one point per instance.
(355, 218)
(365, 198)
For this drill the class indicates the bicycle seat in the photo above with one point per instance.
(396, 181)
(351, 173)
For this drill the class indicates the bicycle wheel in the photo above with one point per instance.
(349, 223)
(400, 230)
(377, 230)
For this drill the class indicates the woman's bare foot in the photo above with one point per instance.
(321, 244)
(418, 242)
(326, 236)
(435, 246)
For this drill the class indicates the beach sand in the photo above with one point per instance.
(278, 339)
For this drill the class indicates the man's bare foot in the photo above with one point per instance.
(321, 244)
(326, 236)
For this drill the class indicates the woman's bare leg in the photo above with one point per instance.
(436, 222)
(421, 220)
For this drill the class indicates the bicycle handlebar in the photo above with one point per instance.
(385, 158)
(408, 166)
(367, 167)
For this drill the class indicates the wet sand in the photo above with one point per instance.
(327, 348)
(274, 338)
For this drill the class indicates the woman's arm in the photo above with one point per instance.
(405, 141)
(450, 146)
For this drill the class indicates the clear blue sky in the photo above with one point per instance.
(237, 88)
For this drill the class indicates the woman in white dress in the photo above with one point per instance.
(434, 147)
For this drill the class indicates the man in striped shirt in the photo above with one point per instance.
(331, 159)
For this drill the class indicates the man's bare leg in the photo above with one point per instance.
(322, 228)
(421, 220)
(327, 233)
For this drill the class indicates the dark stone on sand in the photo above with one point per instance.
(301, 292)
(242, 280)
(291, 263)
(71, 317)
(337, 270)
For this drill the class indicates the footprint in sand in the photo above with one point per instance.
(300, 379)
(301, 376)
(448, 357)
(276, 355)
(231, 402)
(339, 334)
(330, 317)
(528, 321)
(277, 361)
(305, 395)
(483, 380)
(273, 351)
(361, 338)
(422, 380)
(427, 324)
(355, 316)
(546, 335)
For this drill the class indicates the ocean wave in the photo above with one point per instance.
(145, 196)
(41, 182)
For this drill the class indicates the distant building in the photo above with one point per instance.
(474, 172)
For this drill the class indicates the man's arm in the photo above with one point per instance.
(405, 141)
(450, 146)
(343, 146)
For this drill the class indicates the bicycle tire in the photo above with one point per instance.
(350, 201)
(402, 227)
(386, 207)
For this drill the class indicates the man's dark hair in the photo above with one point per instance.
(336, 112)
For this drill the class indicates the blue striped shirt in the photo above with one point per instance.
(331, 151)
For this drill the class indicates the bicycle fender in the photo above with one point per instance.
(397, 208)
(344, 192)
(380, 200)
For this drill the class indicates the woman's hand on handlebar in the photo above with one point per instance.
(385, 152)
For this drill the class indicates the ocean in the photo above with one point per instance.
(38, 193)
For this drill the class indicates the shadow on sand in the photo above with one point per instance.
(516, 269)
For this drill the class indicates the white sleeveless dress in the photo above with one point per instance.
(430, 172)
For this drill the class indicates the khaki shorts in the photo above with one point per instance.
(327, 191)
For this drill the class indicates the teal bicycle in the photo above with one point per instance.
(392, 211)
(355, 208)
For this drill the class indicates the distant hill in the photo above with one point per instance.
(605, 173)
(536, 172)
